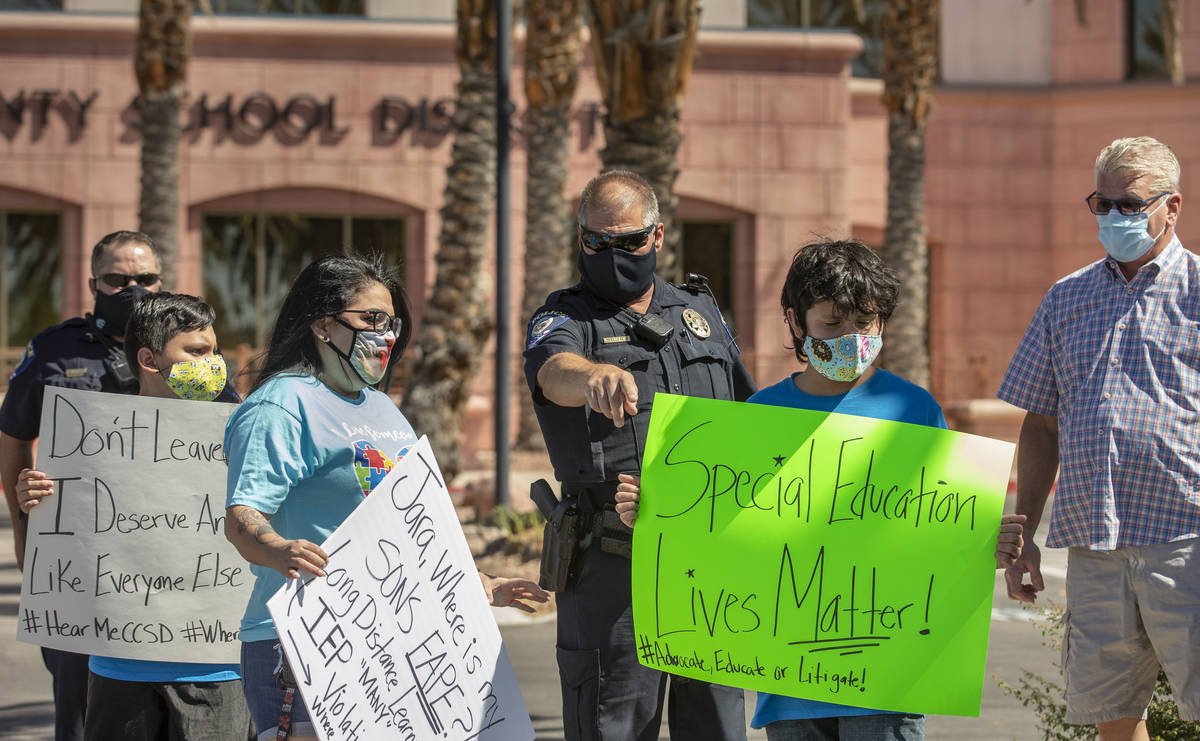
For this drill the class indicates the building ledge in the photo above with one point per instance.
(59, 25)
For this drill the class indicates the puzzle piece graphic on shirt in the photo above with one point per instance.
(371, 465)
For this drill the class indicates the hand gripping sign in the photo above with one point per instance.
(817, 555)
(397, 640)
(128, 558)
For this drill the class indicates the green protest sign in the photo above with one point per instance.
(817, 555)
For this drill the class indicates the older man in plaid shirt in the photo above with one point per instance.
(1109, 373)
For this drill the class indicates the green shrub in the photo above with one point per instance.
(516, 523)
(1046, 696)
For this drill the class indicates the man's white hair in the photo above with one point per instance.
(1142, 155)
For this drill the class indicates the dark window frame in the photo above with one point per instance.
(258, 247)
(283, 8)
(56, 287)
(1143, 60)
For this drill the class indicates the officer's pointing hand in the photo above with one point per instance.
(612, 392)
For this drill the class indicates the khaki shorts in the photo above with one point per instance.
(1128, 611)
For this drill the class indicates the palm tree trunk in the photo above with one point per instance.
(910, 63)
(158, 206)
(553, 49)
(161, 53)
(458, 316)
(643, 53)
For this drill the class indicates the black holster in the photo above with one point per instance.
(560, 539)
(571, 525)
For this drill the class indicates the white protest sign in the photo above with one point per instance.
(128, 558)
(397, 640)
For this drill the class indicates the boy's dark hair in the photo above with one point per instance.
(158, 317)
(846, 272)
(324, 288)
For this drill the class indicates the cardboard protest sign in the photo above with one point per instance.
(817, 555)
(128, 558)
(397, 640)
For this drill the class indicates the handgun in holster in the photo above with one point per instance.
(560, 539)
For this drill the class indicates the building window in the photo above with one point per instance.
(31, 5)
(285, 7)
(1147, 49)
(30, 276)
(708, 251)
(827, 14)
(251, 260)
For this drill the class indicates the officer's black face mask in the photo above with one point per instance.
(617, 275)
(115, 309)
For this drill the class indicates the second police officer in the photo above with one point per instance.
(83, 353)
(595, 355)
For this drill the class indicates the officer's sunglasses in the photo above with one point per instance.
(379, 321)
(120, 280)
(1100, 205)
(627, 242)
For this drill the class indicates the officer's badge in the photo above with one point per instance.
(541, 325)
(696, 323)
(23, 363)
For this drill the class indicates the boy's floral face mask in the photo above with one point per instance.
(843, 358)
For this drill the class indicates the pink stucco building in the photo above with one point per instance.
(310, 133)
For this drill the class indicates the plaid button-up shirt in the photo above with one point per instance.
(1117, 363)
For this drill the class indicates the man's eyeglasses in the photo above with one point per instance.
(120, 280)
(379, 321)
(1100, 205)
(627, 242)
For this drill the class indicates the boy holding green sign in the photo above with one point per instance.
(836, 298)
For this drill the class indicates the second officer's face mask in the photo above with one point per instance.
(113, 310)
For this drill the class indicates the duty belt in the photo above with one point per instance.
(600, 521)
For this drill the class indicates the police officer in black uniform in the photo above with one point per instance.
(595, 355)
(83, 353)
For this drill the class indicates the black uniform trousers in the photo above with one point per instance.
(606, 693)
(70, 687)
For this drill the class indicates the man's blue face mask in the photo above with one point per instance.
(1126, 237)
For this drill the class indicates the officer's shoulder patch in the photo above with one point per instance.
(541, 325)
(25, 361)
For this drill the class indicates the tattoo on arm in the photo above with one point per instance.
(252, 520)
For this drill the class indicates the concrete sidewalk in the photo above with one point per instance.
(1014, 644)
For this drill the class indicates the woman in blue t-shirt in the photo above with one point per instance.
(307, 446)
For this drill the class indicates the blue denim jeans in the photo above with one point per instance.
(881, 727)
(259, 660)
